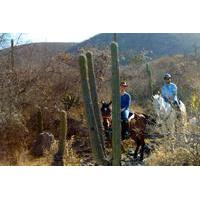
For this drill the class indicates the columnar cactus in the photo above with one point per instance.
(12, 54)
(116, 118)
(97, 149)
(40, 121)
(63, 132)
(114, 37)
(58, 157)
(149, 72)
(94, 96)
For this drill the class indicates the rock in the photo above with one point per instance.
(42, 143)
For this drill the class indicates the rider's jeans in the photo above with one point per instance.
(125, 114)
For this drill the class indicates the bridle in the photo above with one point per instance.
(106, 114)
(107, 119)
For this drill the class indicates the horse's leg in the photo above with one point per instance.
(136, 150)
(169, 125)
(142, 147)
(142, 142)
(142, 152)
(177, 126)
(174, 123)
(163, 127)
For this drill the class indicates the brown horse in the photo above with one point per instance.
(137, 127)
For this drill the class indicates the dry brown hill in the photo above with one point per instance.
(35, 54)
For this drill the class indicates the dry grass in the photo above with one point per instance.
(70, 159)
(175, 152)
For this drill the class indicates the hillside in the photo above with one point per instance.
(162, 44)
(35, 54)
(185, 72)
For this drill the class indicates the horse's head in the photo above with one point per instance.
(106, 112)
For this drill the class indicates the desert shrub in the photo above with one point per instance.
(46, 85)
(195, 104)
(14, 138)
(175, 152)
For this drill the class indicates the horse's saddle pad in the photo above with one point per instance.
(131, 116)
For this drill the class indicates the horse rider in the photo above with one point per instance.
(169, 92)
(125, 104)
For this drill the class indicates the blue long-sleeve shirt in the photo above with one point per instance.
(125, 100)
(169, 91)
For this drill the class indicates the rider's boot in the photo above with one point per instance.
(125, 130)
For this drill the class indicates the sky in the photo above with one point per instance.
(57, 37)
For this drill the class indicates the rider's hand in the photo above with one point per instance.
(122, 109)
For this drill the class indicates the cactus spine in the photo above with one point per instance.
(149, 72)
(40, 121)
(97, 149)
(116, 130)
(94, 96)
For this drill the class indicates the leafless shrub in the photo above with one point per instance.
(177, 151)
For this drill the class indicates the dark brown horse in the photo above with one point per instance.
(137, 127)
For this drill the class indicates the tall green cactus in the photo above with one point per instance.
(94, 96)
(12, 54)
(97, 149)
(59, 156)
(114, 37)
(116, 118)
(63, 132)
(40, 121)
(149, 72)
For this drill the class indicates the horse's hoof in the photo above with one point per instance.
(141, 159)
(135, 159)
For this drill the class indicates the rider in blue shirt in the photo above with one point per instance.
(125, 104)
(169, 91)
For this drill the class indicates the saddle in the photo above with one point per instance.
(131, 116)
